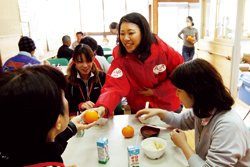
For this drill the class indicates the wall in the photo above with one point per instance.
(218, 54)
(10, 29)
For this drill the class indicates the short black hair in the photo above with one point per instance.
(26, 44)
(79, 33)
(113, 25)
(204, 85)
(31, 99)
(91, 42)
(99, 50)
(147, 37)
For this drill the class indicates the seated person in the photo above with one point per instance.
(79, 36)
(221, 137)
(85, 80)
(100, 61)
(64, 51)
(113, 27)
(99, 51)
(32, 99)
(25, 57)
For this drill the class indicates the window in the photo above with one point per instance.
(246, 24)
(113, 11)
(226, 18)
(96, 15)
(92, 15)
(210, 19)
(169, 27)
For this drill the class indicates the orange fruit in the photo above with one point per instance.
(90, 116)
(128, 131)
(190, 38)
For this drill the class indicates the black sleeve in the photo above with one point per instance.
(63, 137)
(73, 100)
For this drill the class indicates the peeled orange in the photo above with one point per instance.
(90, 116)
(128, 131)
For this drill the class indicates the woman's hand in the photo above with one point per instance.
(150, 112)
(146, 92)
(178, 137)
(87, 105)
(180, 140)
(79, 123)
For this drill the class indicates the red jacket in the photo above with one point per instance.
(127, 75)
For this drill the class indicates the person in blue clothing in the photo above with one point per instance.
(25, 57)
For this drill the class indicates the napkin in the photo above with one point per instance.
(154, 121)
(101, 121)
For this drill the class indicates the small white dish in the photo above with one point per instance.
(153, 147)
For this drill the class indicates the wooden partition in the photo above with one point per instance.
(218, 54)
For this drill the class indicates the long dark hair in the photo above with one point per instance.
(204, 85)
(31, 100)
(147, 37)
(79, 51)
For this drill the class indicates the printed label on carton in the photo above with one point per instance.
(102, 149)
(133, 156)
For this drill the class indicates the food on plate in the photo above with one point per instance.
(154, 147)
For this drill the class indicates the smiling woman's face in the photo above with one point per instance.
(83, 66)
(130, 36)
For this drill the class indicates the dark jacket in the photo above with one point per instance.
(74, 95)
(48, 154)
(65, 52)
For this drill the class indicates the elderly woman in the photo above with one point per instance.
(140, 71)
(221, 138)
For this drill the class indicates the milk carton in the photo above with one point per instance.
(133, 156)
(102, 149)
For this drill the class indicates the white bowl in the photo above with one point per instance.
(153, 147)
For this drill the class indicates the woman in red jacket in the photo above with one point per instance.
(140, 70)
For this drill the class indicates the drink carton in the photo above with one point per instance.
(133, 156)
(102, 149)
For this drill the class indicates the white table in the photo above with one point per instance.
(82, 151)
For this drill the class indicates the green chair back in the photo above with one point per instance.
(110, 59)
(106, 49)
(61, 61)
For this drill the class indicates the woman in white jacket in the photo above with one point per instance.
(221, 137)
